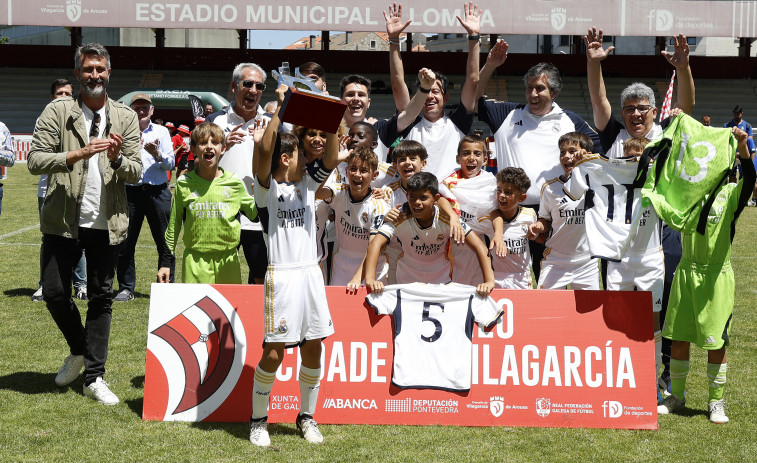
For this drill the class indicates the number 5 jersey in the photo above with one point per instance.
(433, 332)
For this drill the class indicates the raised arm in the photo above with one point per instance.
(394, 28)
(406, 117)
(331, 156)
(497, 56)
(600, 105)
(262, 166)
(472, 24)
(680, 60)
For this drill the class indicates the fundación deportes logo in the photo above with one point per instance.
(612, 409)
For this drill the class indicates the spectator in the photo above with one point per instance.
(150, 197)
(238, 121)
(7, 156)
(90, 148)
(738, 121)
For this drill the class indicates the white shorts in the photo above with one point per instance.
(639, 272)
(559, 270)
(465, 267)
(345, 264)
(296, 308)
(513, 280)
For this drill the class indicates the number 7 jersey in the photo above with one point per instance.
(433, 332)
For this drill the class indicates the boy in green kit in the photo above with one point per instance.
(702, 295)
(209, 200)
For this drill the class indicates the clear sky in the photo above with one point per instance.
(277, 40)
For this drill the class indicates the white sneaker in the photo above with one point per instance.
(717, 411)
(72, 367)
(671, 404)
(81, 293)
(309, 428)
(37, 296)
(259, 432)
(100, 391)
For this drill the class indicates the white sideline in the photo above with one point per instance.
(18, 232)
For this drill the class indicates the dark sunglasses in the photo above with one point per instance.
(249, 83)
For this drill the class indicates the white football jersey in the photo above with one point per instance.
(567, 216)
(387, 174)
(518, 258)
(355, 219)
(356, 222)
(424, 254)
(433, 332)
(613, 207)
(287, 213)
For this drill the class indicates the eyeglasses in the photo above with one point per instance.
(250, 83)
(642, 108)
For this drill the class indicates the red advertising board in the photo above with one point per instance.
(555, 359)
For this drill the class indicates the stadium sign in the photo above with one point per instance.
(555, 359)
(616, 17)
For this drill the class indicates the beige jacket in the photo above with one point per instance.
(60, 129)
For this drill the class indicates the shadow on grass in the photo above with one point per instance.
(33, 382)
(242, 430)
(28, 292)
(138, 382)
(15, 292)
(135, 405)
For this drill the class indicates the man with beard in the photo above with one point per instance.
(89, 146)
(238, 121)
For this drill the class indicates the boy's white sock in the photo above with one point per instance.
(310, 383)
(261, 390)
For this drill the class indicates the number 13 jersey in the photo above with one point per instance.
(433, 332)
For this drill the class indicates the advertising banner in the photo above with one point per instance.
(566, 17)
(554, 359)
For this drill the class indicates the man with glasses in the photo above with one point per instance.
(89, 146)
(638, 109)
(238, 121)
(643, 266)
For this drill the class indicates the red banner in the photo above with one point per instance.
(555, 359)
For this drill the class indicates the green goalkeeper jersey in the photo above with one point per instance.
(692, 161)
(713, 248)
(211, 212)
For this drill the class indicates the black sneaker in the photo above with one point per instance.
(124, 296)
